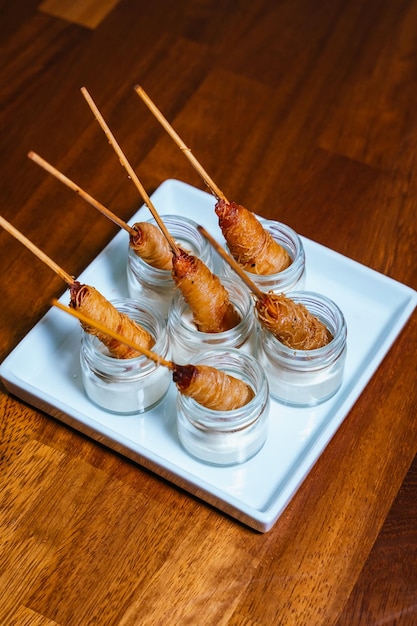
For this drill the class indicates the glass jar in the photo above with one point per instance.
(126, 386)
(291, 277)
(157, 286)
(226, 437)
(306, 377)
(187, 342)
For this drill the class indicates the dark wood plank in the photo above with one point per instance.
(89, 13)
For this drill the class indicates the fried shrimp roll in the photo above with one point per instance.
(92, 304)
(249, 243)
(211, 387)
(292, 323)
(205, 295)
(151, 245)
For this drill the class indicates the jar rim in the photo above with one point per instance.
(180, 221)
(236, 290)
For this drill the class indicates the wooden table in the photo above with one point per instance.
(304, 112)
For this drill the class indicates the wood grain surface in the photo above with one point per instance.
(89, 13)
(305, 112)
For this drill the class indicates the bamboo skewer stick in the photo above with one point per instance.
(233, 264)
(111, 333)
(86, 196)
(36, 251)
(180, 143)
(131, 173)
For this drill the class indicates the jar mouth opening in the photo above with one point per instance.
(239, 297)
(137, 262)
(291, 242)
(181, 228)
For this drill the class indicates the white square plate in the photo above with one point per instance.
(44, 370)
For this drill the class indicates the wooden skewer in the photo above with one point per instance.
(183, 147)
(90, 322)
(131, 173)
(86, 196)
(233, 264)
(36, 251)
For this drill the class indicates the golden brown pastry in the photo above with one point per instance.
(291, 322)
(151, 245)
(249, 243)
(92, 304)
(204, 293)
(211, 387)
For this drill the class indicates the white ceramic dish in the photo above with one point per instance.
(44, 370)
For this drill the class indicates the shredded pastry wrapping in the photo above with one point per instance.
(291, 322)
(249, 243)
(94, 305)
(204, 293)
(151, 245)
(211, 387)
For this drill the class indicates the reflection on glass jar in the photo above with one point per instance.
(187, 342)
(126, 385)
(290, 278)
(306, 377)
(226, 437)
(149, 284)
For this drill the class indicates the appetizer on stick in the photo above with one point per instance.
(207, 298)
(204, 293)
(208, 386)
(94, 305)
(290, 322)
(211, 387)
(90, 301)
(250, 244)
(147, 240)
(150, 244)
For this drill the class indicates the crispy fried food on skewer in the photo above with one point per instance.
(150, 244)
(249, 242)
(93, 304)
(194, 279)
(211, 387)
(204, 293)
(290, 322)
(146, 240)
(207, 385)
(90, 301)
